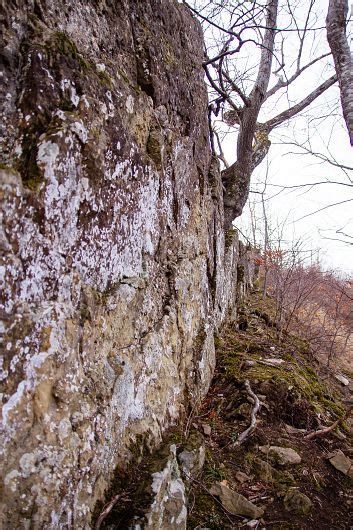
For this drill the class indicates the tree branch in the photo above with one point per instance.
(327, 430)
(221, 153)
(236, 89)
(293, 111)
(321, 156)
(321, 209)
(281, 83)
(219, 90)
(108, 508)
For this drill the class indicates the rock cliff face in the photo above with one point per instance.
(115, 272)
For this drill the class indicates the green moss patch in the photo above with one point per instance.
(32, 176)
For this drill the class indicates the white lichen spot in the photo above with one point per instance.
(2, 267)
(48, 73)
(182, 515)
(80, 130)
(3, 373)
(85, 101)
(110, 104)
(67, 86)
(54, 519)
(28, 463)
(130, 104)
(64, 429)
(11, 478)
(46, 157)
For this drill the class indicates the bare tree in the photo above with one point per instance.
(336, 24)
(240, 96)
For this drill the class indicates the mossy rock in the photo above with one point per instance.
(154, 147)
(61, 43)
(279, 480)
(105, 79)
(229, 236)
(297, 502)
(138, 493)
(32, 176)
(309, 395)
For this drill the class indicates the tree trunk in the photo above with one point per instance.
(337, 38)
(236, 178)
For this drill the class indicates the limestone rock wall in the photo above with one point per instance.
(114, 269)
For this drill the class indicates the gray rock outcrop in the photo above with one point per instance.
(114, 268)
(169, 505)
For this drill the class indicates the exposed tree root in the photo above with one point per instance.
(245, 434)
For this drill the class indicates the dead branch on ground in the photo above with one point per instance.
(108, 508)
(327, 430)
(245, 434)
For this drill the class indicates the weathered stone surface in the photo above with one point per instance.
(297, 502)
(254, 523)
(192, 458)
(293, 430)
(342, 379)
(114, 271)
(281, 455)
(206, 429)
(341, 462)
(242, 477)
(277, 478)
(272, 362)
(168, 509)
(234, 502)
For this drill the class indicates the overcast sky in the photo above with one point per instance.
(292, 205)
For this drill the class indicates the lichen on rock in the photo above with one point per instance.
(114, 259)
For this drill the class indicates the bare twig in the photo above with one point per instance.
(221, 153)
(324, 208)
(282, 83)
(245, 434)
(190, 417)
(326, 430)
(236, 89)
(108, 508)
(219, 90)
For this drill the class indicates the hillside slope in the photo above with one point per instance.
(295, 401)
